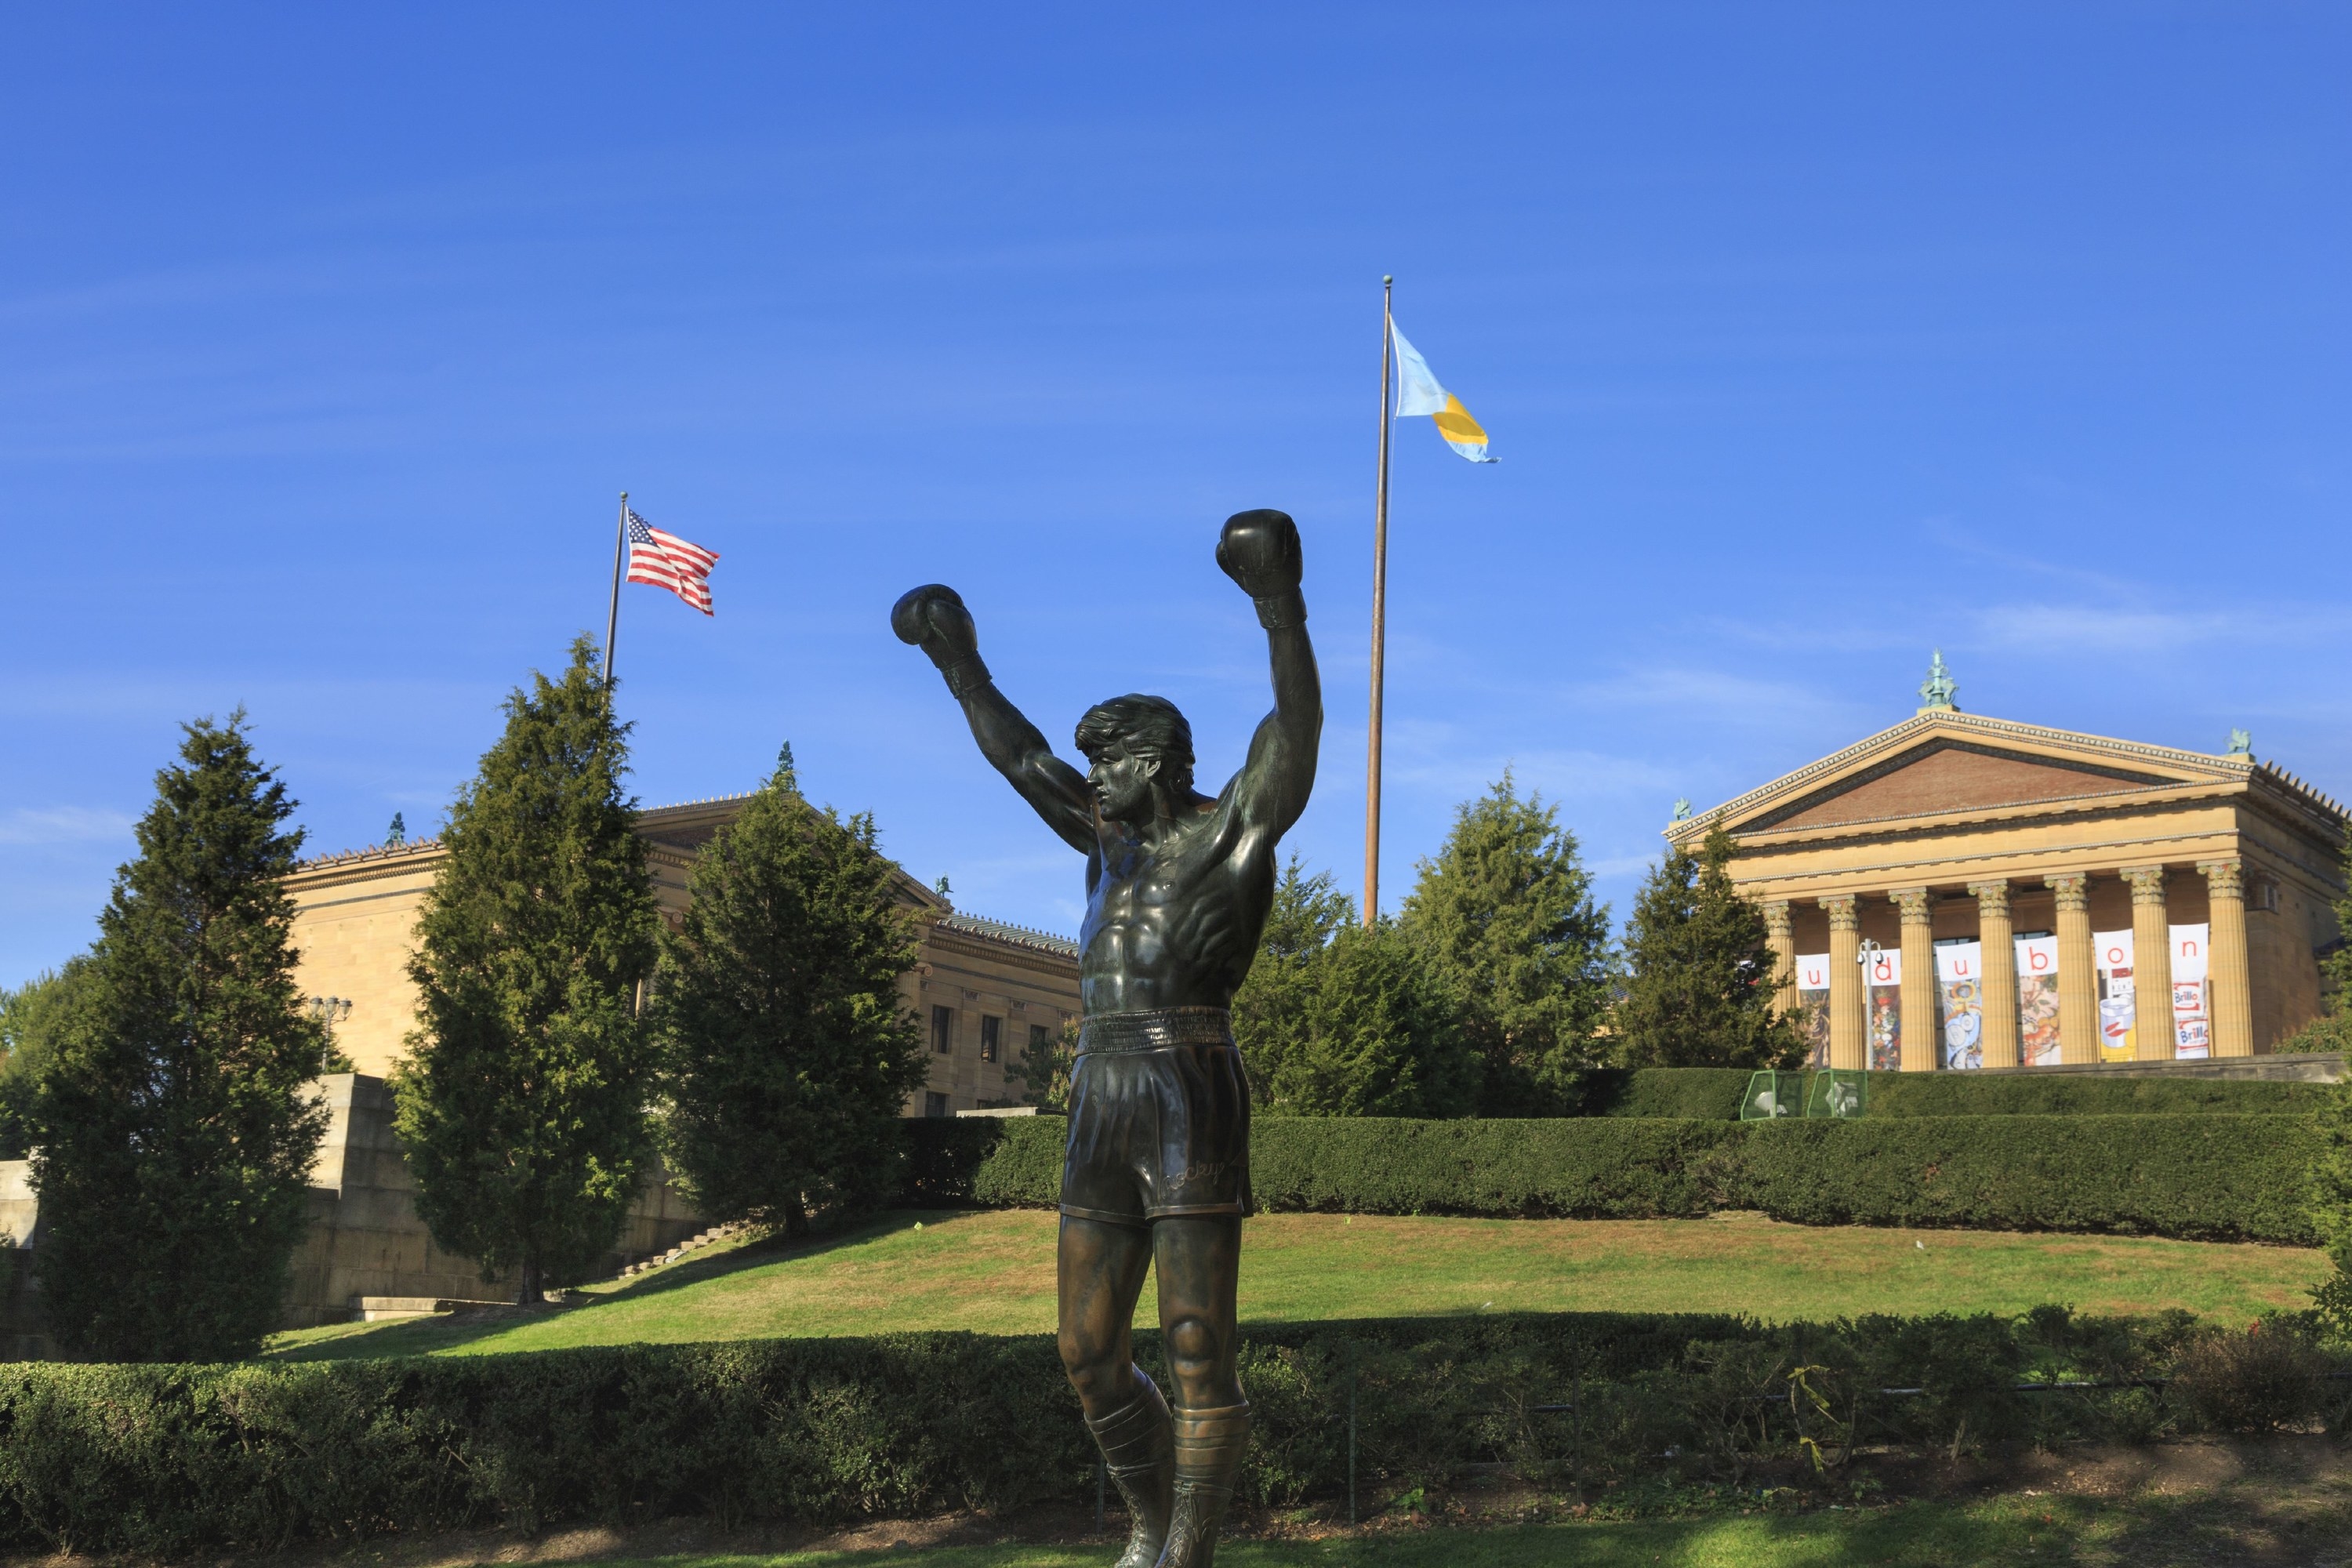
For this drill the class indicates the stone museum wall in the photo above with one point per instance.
(364, 1238)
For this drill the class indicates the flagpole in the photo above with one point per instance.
(1380, 622)
(612, 616)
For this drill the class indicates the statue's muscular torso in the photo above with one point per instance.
(1174, 925)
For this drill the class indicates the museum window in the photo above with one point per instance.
(990, 1036)
(1040, 1038)
(934, 1102)
(944, 1030)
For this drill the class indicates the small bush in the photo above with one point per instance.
(2268, 1378)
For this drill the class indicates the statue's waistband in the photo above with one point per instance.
(1156, 1029)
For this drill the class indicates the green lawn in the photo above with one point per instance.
(992, 1272)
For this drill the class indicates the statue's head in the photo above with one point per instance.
(1137, 745)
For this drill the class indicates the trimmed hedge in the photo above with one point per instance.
(2207, 1177)
(1715, 1092)
(165, 1460)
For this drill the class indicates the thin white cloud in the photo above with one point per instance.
(62, 825)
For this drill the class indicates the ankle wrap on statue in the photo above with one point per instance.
(1209, 1445)
(1135, 1436)
(1278, 610)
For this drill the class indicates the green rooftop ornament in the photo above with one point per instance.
(1682, 809)
(1935, 692)
(2241, 745)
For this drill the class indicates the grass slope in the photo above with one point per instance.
(992, 1272)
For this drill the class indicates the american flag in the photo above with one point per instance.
(661, 560)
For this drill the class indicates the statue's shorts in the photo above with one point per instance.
(1158, 1118)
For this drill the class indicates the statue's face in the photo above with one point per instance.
(1122, 783)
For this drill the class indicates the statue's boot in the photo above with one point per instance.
(1139, 1450)
(1209, 1445)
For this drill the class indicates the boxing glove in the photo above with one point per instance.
(1259, 550)
(934, 619)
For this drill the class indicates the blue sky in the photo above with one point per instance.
(1811, 337)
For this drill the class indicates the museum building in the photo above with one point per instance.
(980, 988)
(1967, 892)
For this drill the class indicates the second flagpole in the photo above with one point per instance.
(612, 616)
(1380, 623)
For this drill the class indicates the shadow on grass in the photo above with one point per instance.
(2210, 1530)
(428, 1336)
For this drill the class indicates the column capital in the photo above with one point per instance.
(2073, 887)
(1913, 902)
(2225, 878)
(1841, 909)
(1992, 898)
(2147, 884)
(1776, 916)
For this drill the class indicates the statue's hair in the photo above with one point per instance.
(1147, 727)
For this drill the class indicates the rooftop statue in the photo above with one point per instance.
(1156, 1171)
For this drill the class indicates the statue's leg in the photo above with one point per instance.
(1100, 1268)
(1198, 1261)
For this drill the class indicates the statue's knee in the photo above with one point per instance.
(1091, 1368)
(1193, 1341)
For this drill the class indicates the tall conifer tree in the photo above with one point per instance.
(523, 1102)
(789, 1053)
(1341, 1019)
(1700, 994)
(174, 1140)
(1504, 911)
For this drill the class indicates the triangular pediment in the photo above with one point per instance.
(1941, 762)
(1945, 775)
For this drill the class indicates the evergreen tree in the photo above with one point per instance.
(1043, 1070)
(174, 1140)
(2332, 1030)
(790, 1055)
(1340, 1019)
(1700, 994)
(1505, 913)
(523, 1102)
(1271, 1008)
(1379, 1034)
(33, 1019)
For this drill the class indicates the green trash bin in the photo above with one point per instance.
(1838, 1092)
(1772, 1094)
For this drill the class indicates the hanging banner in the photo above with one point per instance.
(2192, 993)
(2117, 1009)
(2037, 1001)
(1959, 990)
(1813, 991)
(1882, 979)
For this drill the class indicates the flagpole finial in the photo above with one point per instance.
(1386, 280)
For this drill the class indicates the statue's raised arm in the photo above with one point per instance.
(934, 619)
(1259, 550)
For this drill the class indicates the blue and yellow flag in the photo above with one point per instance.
(1418, 392)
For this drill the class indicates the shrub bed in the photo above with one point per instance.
(2207, 1177)
(161, 1461)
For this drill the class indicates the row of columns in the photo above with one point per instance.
(2078, 1005)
